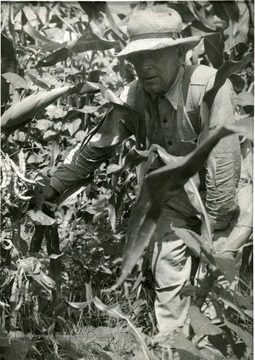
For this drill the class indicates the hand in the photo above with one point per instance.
(50, 194)
(221, 246)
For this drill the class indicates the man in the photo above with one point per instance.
(165, 107)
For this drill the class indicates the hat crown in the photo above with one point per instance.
(154, 20)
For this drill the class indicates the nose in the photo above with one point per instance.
(144, 62)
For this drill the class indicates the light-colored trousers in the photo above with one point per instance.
(171, 259)
(171, 263)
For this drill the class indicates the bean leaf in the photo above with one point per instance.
(201, 324)
(17, 81)
(53, 58)
(242, 333)
(226, 264)
(186, 349)
(245, 99)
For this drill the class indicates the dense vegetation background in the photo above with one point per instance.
(59, 77)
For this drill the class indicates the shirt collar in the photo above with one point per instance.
(173, 94)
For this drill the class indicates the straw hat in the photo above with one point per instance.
(154, 28)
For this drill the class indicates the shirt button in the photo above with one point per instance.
(164, 120)
(169, 142)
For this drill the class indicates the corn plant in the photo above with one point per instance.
(59, 78)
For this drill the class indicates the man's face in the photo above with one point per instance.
(157, 69)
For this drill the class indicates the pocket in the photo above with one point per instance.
(187, 128)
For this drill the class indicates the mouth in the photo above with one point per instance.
(149, 78)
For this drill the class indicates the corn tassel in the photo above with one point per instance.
(30, 106)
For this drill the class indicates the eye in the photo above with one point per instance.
(134, 58)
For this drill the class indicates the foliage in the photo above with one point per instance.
(59, 78)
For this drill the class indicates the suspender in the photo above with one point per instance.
(140, 96)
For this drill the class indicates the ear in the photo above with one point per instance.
(181, 53)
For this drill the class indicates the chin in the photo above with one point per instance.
(153, 90)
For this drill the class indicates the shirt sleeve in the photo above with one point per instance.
(224, 165)
(117, 125)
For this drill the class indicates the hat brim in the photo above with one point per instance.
(156, 44)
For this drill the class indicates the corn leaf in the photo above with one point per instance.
(24, 110)
(238, 82)
(191, 188)
(112, 23)
(214, 48)
(93, 9)
(200, 15)
(227, 10)
(79, 305)
(109, 95)
(90, 41)
(228, 68)
(36, 35)
(158, 184)
(220, 343)
(199, 28)
(191, 239)
(87, 87)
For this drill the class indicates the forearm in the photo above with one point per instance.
(101, 146)
(50, 194)
(223, 166)
(222, 180)
(234, 237)
(82, 164)
(77, 166)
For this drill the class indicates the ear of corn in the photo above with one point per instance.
(30, 106)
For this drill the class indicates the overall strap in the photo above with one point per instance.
(189, 69)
